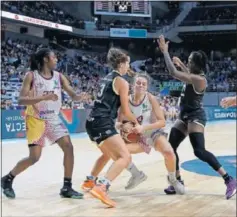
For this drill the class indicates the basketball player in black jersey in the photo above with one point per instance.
(192, 118)
(100, 125)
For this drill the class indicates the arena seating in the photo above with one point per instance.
(215, 15)
(42, 10)
(84, 72)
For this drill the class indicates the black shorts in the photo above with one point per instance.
(196, 116)
(100, 129)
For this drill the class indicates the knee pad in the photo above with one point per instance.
(199, 153)
(176, 137)
(197, 140)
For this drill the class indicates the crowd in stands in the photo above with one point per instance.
(85, 70)
(157, 23)
(215, 15)
(215, 3)
(221, 73)
(45, 10)
(49, 11)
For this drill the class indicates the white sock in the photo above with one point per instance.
(133, 169)
(172, 176)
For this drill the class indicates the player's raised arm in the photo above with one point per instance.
(198, 81)
(25, 99)
(180, 64)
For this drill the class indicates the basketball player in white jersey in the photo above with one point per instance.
(148, 113)
(41, 93)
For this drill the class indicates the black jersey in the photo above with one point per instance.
(191, 100)
(107, 101)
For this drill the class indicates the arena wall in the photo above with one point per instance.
(13, 121)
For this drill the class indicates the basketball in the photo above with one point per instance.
(127, 134)
(132, 137)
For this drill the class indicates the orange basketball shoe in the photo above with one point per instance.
(88, 184)
(99, 191)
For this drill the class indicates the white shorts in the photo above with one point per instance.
(39, 131)
(148, 140)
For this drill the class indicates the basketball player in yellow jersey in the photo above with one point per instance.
(41, 92)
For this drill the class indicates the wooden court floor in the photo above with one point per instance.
(37, 189)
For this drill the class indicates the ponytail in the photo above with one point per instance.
(34, 64)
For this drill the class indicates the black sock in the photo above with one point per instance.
(10, 177)
(226, 177)
(178, 178)
(67, 182)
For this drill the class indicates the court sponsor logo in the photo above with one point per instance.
(225, 115)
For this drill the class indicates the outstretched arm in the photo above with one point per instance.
(228, 102)
(198, 81)
(68, 88)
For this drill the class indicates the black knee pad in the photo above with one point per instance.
(198, 142)
(176, 137)
(199, 153)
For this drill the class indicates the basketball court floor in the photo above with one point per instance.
(37, 189)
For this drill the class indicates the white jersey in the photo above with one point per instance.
(46, 110)
(143, 111)
(144, 114)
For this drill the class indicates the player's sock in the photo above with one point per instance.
(172, 176)
(226, 177)
(178, 178)
(10, 177)
(133, 169)
(67, 182)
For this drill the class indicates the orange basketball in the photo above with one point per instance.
(132, 137)
(127, 134)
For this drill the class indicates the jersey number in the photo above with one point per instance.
(102, 88)
(140, 119)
